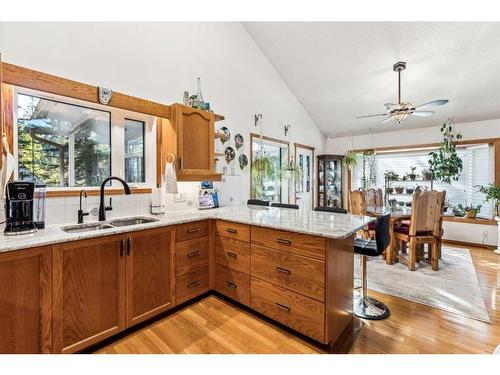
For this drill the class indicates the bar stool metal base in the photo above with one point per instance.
(370, 308)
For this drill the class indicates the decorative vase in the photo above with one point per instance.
(470, 214)
(399, 190)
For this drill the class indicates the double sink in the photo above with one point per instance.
(90, 227)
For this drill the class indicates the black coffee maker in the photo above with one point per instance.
(19, 208)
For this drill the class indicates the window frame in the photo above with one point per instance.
(117, 140)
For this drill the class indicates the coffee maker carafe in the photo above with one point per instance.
(19, 208)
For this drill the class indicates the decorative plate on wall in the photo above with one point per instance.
(229, 154)
(238, 141)
(226, 135)
(243, 161)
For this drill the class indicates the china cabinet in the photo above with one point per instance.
(329, 181)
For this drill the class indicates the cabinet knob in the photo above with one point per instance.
(193, 253)
(232, 255)
(193, 230)
(282, 307)
(283, 270)
(231, 285)
(231, 230)
(283, 241)
(193, 284)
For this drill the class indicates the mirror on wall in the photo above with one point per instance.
(268, 156)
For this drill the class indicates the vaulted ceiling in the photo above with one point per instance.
(340, 70)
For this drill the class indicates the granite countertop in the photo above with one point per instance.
(324, 224)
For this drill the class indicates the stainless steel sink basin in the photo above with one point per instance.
(90, 227)
(132, 221)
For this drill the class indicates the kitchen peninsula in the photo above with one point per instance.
(70, 290)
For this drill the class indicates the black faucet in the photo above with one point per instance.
(102, 208)
(81, 214)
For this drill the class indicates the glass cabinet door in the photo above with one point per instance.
(329, 181)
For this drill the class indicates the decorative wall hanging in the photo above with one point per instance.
(243, 161)
(229, 154)
(105, 95)
(226, 136)
(238, 141)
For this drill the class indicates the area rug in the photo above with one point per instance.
(455, 287)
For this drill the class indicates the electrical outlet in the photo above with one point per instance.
(181, 197)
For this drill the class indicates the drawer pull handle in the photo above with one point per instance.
(193, 253)
(231, 230)
(283, 270)
(282, 307)
(231, 285)
(193, 230)
(232, 255)
(283, 241)
(193, 284)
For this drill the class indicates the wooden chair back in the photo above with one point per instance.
(373, 197)
(357, 202)
(426, 212)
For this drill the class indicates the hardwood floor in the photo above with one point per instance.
(214, 325)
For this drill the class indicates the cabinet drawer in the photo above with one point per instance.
(192, 230)
(297, 243)
(233, 284)
(233, 254)
(191, 254)
(191, 284)
(296, 311)
(236, 231)
(300, 274)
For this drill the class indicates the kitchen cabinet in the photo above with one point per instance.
(26, 301)
(190, 136)
(330, 181)
(150, 273)
(89, 292)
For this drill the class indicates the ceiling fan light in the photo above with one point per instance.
(400, 116)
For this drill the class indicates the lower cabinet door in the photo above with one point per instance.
(150, 273)
(89, 292)
(26, 301)
(301, 313)
(233, 284)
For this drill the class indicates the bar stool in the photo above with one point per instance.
(258, 202)
(337, 210)
(364, 306)
(285, 205)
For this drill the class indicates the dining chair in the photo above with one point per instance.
(337, 210)
(424, 228)
(258, 202)
(373, 197)
(368, 307)
(357, 206)
(285, 205)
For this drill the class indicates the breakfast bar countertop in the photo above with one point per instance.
(324, 224)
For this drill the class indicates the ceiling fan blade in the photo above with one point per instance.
(422, 113)
(390, 105)
(434, 103)
(380, 114)
(386, 120)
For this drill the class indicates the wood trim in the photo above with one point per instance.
(29, 78)
(8, 114)
(255, 135)
(313, 185)
(95, 191)
(496, 171)
(456, 219)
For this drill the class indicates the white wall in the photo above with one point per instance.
(474, 233)
(158, 61)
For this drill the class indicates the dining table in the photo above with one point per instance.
(397, 213)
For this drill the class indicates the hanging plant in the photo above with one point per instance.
(350, 159)
(262, 169)
(445, 164)
(291, 172)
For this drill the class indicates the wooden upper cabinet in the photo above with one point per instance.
(89, 292)
(26, 301)
(190, 136)
(150, 273)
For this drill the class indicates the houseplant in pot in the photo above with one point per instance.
(469, 211)
(412, 175)
(350, 159)
(426, 175)
(492, 194)
(445, 164)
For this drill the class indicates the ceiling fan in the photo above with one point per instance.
(401, 111)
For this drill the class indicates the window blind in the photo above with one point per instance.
(478, 170)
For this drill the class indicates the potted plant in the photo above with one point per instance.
(445, 164)
(401, 203)
(350, 159)
(409, 190)
(412, 174)
(458, 210)
(399, 189)
(492, 193)
(391, 176)
(471, 211)
(262, 169)
(426, 175)
(408, 204)
(389, 190)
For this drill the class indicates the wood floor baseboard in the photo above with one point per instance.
(463, 243)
